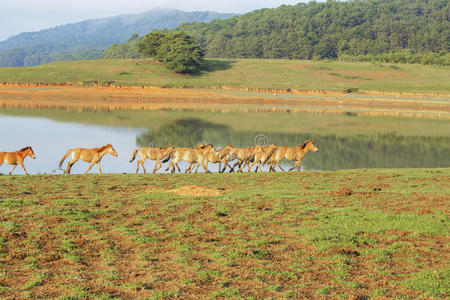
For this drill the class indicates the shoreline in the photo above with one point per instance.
(70, 96)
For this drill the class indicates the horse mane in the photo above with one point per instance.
(100, 149)
(306, 143)
(25, 148)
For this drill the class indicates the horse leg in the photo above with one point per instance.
(189, 168)
(137, 165)
(258, 167)
(296, 165)
(90, 167)
(99, 168)
(23, 167)
(278, 164)
(14, 166)
(234, 166)
(242, 166)
(205, 167)
(143, 168)
(226, 164)
(251, 166)
(69, 166)
(156, 168)
(248, 165)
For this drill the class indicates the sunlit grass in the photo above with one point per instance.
(243, 73)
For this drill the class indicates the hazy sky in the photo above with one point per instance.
(32, 15)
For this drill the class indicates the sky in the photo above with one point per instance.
(18, 16)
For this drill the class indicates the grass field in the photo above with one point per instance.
(244, 73)
(347, 234)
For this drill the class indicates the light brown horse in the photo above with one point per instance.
(92, 156)
(17, 157)
(243, 156)
(152, 154)
(291, 153)
(213, 156)
(179, 155)
(192, 156)
(262, 155)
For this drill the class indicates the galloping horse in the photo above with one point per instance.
(17, 157)
(152, 154)
(92, 156)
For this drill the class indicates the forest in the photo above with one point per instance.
(403, 31)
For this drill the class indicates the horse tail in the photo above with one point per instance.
(270, 155)
(251, 158)
(64, 157)
(134, 154)
(168, 156)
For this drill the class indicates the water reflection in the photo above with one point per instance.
(336, 152)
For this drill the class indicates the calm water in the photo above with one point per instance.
(51, 139)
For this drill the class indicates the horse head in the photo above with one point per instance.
(309, 145)
(28, 151)
(111, 150)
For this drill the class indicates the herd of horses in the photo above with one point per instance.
(201, 155)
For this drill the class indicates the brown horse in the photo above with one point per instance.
(291, 153)
(17, 157)
(152, 154)
(92, 156)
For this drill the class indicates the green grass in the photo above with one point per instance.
(244, 73)
(283, 235)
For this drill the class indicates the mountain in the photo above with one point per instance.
(392, 30)
(88, 39)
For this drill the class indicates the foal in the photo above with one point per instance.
(17, 157)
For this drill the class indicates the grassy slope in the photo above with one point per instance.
(310, 234)
(243, 73)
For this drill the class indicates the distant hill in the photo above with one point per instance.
(390, 30)
(88, 39)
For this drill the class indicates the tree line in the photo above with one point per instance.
(404, 31)
(330, 30)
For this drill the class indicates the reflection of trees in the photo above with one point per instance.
(185, 133)
(336, 152)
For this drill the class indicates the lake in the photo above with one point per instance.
(345, 142)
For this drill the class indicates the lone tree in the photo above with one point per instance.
(177, 51)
